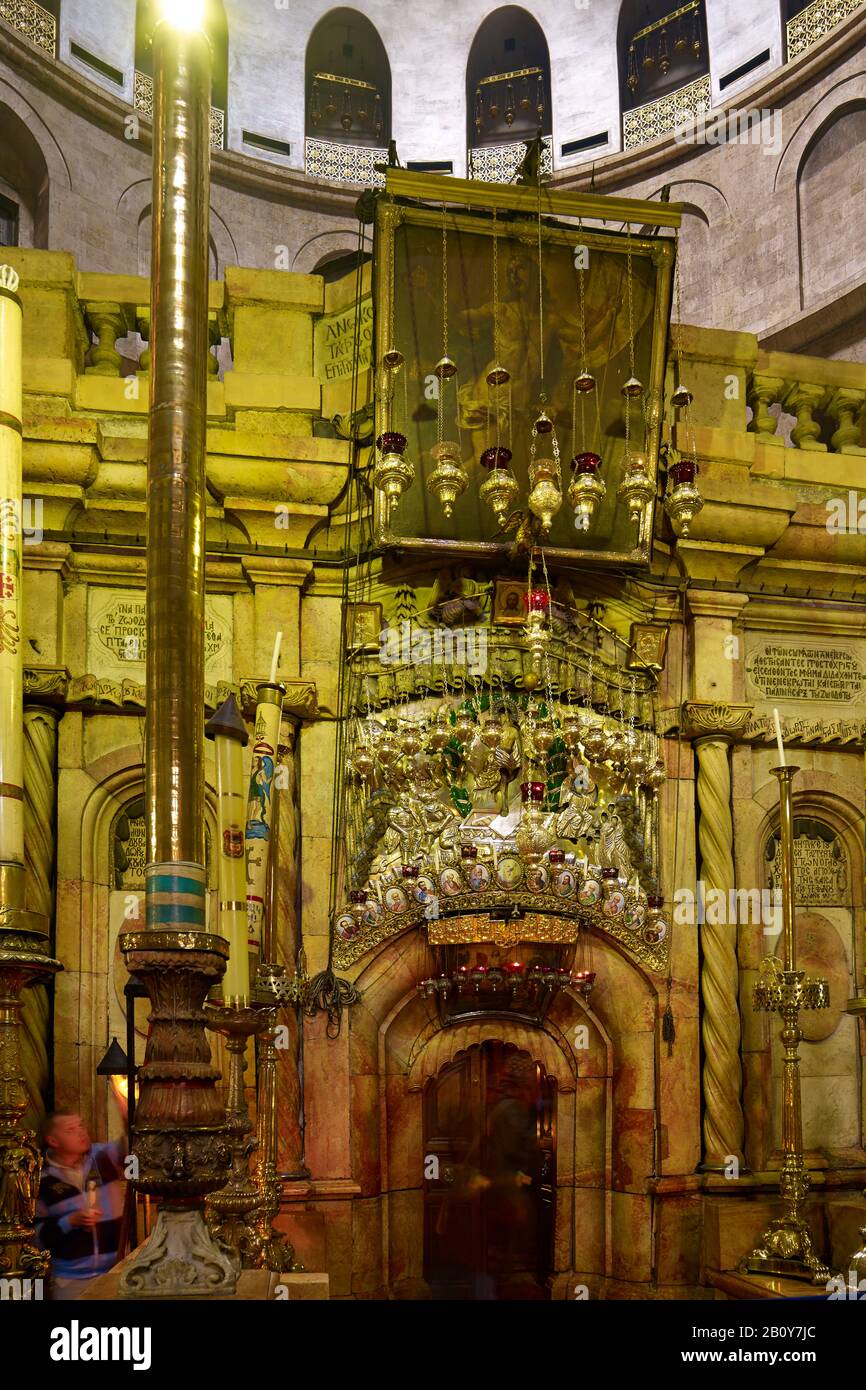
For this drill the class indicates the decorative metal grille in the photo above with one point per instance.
(142, 100)
(32, 21)
(142, 93)
(335, 163)
(499, 163)
(817, 20)
(657, 118)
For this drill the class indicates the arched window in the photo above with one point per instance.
(23, 184)
(662, 48)
(218, 33)
(507, 91)
(348, 81)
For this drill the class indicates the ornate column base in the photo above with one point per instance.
(179, 1138)
(180, 1259)
(23, 961)
(786, 1248)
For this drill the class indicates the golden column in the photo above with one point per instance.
(24, 957)
(180, 1136)
(713, 727)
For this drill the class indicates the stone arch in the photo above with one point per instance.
(30, 162)
(606, 1106)
(85, 1002)
(705, 209)
(829, 1058)
(345, 43)
(221, 247)
(828, 199)
(508, 39)
(328, 246)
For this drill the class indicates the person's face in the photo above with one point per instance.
(69, 1135)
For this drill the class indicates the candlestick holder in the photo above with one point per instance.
(786, 1245)
(229, 1212)
(24, 960)
(274, 1250)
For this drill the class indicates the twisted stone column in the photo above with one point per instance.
(713, 727)
(40, 800)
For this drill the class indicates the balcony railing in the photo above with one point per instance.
(647, 123)
(32, 21)
(499, 163)
(817, 20)
(343, 163)
(142, 100)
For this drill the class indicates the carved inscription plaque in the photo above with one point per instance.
(335, 341)
(820, 872)
(117, 640)
(785, 671)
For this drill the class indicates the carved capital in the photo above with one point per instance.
(301, 698)
(714, 719)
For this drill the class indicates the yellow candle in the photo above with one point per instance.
(227, 730)
(11, 571)
(258, 832)
(779, 743)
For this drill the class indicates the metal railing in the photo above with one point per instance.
(657, 118)
(815, 22)
(499, 163)
(31, 20)
(343, 163)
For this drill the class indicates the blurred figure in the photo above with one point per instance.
(512, 1167)
(79, 1212)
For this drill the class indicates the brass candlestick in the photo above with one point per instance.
(230, 1211)
(275, 1250)
(786, 1245)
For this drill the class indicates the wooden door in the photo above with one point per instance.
(490, 1176)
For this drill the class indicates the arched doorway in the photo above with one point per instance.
(490, 1151)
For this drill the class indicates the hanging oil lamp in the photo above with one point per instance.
(315, 109)
(545, 496)
(664, 60)
(331, 105)
(534, 834)
(536, 632)
(449, 478)
(525, 101)
(539, 97)
(393, 473)
(586, 489)
(346, 117)
(681, 396)
(377, 117)
(648, 59)
(509, 105)
(633, 80)
(479, 111)
(696, 34)
(500, 488)
(636, 488)
(682, 498)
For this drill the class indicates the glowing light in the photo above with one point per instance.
(183, 14)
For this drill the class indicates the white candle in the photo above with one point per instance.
(276, 657)
(778, 724)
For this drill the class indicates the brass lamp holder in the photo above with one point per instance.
(229, 1211)
(786, 1248)
(24, 961)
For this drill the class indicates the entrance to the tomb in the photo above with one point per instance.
(490, 1151)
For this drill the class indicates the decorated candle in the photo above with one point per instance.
(11, 567)
(226, 728)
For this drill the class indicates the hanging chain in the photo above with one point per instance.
(540, 301)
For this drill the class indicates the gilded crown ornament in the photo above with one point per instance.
(393, 473)
(9, 278)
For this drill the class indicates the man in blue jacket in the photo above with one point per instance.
(79, 1212)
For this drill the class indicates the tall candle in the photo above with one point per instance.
(11, 570)
(269, 713)
(227, 730)
(781, 746)
(275, 660)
